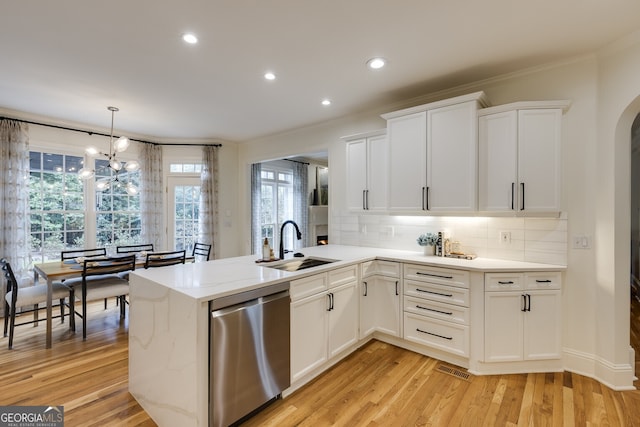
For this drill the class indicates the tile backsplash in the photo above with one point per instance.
(528, 239)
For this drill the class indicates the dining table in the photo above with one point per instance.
(52, 271)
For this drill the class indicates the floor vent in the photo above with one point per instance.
(455, 372)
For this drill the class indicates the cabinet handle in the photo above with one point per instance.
(522, 190)
(448, 313)
(543, 281)
(505, 283)
(528, 302)
(364, 200)
(427, 198)
(419, 273)
(366, 289)
(397, 288)
(367, 198)
(423, 208)
(513, 194)
(434, 293)
(524, 303)
(330, 296)
(435, 335)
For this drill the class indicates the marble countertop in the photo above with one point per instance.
(205, 281)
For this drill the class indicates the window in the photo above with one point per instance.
(188, 168)
(117, 213)
(56, 205)
(184, 204)
(276, 204)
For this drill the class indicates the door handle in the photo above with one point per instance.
(513, 194)
(427, 198)
(397, 288)
(366, 289)
(423, 205)
(522, 195)
(364, 200)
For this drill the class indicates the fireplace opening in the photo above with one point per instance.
(322, 240)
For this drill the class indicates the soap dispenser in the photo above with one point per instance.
(266, 250)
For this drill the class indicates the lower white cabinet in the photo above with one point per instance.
(325, 323)
(523, 316)
(380, 299)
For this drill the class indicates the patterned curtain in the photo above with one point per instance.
(151, 191)
(256, 200)
(14, 198)
(208, 220)
(300, 201)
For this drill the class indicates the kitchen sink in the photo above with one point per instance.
(301, 263)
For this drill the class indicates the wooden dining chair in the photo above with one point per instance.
(162, 259)
(27, 296)
(84, 253)
(101, 280)
(126, 249)
(201, 250)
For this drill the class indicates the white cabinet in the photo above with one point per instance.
(324, 318)
(436, 308)
(367, 171)
(522, 316)
(380, 299)
(519, 153)
(433, 156)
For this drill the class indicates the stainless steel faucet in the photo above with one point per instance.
(298, 234)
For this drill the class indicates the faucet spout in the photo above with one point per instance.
(298, 235)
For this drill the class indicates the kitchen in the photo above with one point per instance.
(603, 89)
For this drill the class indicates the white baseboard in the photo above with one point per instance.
(617, 377)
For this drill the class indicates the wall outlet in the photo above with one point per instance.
(505, 237)
(581, 242)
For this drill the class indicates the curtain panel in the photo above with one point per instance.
(256, 212)
(151, 192)
(208, 219)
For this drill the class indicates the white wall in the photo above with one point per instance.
(595, 198)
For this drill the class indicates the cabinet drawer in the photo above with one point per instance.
(503, 281)
(434, 292)
(444, 276)
(445, 336)
(307, 286)
(381, 268)
(343, 275)
(437, 310)
(543, 280)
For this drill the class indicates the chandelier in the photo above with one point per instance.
(115, 165)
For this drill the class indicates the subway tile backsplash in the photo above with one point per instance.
(529, 239)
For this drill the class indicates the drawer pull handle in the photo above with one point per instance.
(397, 293)
(505, 283)
(543, 281)
(435, 335)
(448, 313)
(366, 289)
(419, 273)
(435, 293)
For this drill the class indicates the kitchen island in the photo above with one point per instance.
(169, 319)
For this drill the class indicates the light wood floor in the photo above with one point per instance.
(379, 385)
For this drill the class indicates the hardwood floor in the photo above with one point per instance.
(379, 385)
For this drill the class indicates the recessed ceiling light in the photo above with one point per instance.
(376, 63)
(190, 38)
(326, 102)
(269, 75)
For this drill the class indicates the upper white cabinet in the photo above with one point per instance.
(367, 171)
(519, 153)
(433, 156)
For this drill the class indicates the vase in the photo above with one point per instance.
(429, 250)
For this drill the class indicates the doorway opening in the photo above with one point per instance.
(635, 241)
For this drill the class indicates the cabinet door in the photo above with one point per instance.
(309, 334)
(377, 175)
(386, 294)
(542, 326)
(497, 161)
(343, 318)
(503, 326)
(452, 158)
(539, 138)
(368, 321)
(407, 161)
(356, 173)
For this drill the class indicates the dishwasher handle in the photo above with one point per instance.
(246, 304)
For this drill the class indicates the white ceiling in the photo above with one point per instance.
(70, 59)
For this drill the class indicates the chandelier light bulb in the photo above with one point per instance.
(85, 173)
(115, 164)
(121, 144)
(131, 189)
(102, 185)
(132, 166)
(92, 151)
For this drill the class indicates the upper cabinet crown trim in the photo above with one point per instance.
(562, 104)
(378, 132)
(480, 97)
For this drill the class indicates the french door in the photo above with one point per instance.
(183, 212)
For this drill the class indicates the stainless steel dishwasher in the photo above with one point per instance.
(249, 358)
